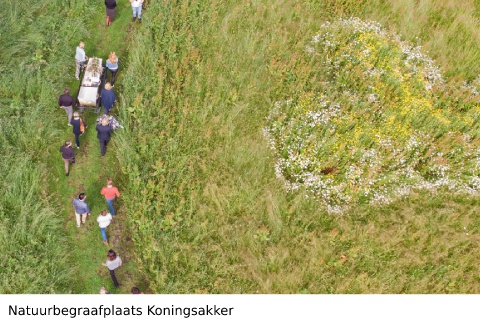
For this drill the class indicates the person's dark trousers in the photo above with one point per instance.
(114, 73)
(77, 140)
(114, 278)
(103, 146)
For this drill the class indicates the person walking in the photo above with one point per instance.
(81, 209)
(108, 98)
(103, 134)
(112, 66)
(80, 58)
(104, 219)
(78, 127)
(110, 192)
(112, 263)
(68, 154)
(110, 4)
(137, 10)
(66, 102)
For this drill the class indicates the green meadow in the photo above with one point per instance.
(202, 208)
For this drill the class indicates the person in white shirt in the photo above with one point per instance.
(80, 58)
(104, 220)
(137, 9)
(112, 263)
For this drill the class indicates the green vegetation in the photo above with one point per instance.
(34, 252)
(207, 212)
(200, 196)
(42, 250)
(378, 124)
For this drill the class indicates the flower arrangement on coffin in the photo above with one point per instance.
(95, 67)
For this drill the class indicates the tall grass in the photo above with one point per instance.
(206, 210)
(33, 254)
(38, 41)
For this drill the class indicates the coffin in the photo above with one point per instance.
(89, 87)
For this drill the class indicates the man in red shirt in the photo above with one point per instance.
(110, 192)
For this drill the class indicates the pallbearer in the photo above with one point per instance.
(80, 59)
(112, 66)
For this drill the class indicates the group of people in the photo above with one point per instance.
(66, 101)
(81, 58)
(105, 125)
(104, 132)
(104, 219)
(82, 209)
(137, 6)
(78, 127)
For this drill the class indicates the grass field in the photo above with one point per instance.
(201, 200)
(206, 207)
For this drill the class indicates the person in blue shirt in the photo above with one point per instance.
(81, 209)
(112, 66)
(108, 98)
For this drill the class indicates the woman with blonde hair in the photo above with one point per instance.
(78, 127)
(112, 66)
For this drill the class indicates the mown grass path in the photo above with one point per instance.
(89, 175)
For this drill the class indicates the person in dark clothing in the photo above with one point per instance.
(103, 134)
(108, 98)
(110, 4)
(66, 102)
(78, 130)
(67, 154)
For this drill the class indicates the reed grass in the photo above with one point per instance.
(207, 212)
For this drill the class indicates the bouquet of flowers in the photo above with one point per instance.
(112, 121)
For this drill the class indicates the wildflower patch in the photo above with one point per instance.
(380, 124)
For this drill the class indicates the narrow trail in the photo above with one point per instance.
(89, 175)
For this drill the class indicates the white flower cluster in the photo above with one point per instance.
(415, 59)
(354, 142)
